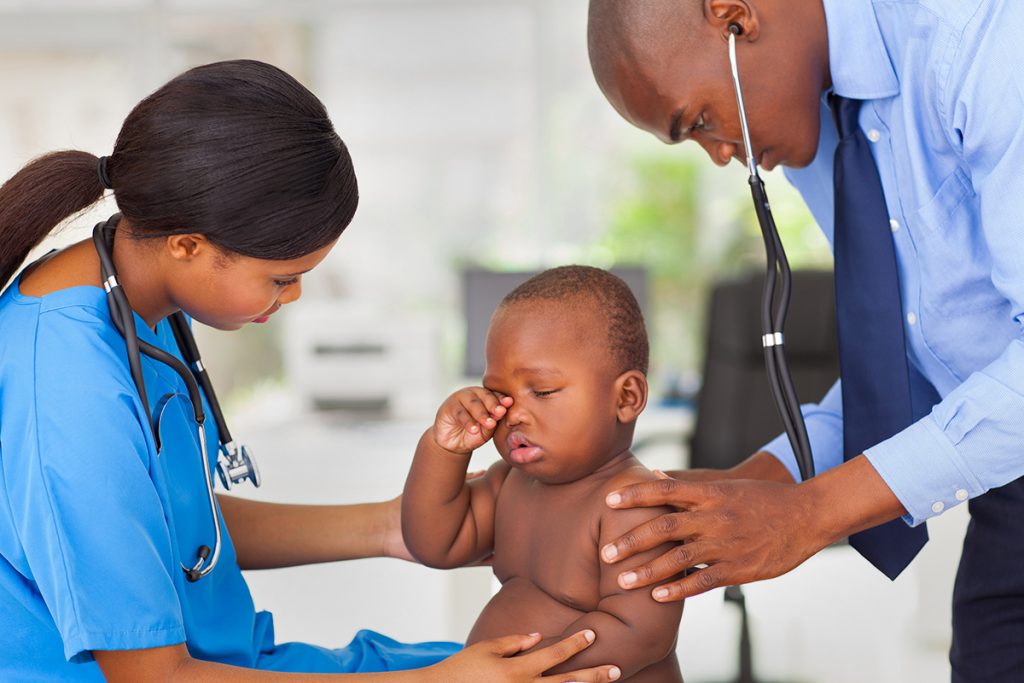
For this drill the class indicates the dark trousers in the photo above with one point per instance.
(988, 597)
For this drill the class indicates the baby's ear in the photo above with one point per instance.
(631, 392)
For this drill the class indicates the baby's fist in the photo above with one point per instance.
(468, 418)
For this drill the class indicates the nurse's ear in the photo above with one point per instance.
(187, 248)
(631, 395)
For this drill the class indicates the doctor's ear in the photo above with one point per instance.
(631, 393)
(736, 17)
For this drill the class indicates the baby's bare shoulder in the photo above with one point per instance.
(621, 520)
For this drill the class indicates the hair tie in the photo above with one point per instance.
(101, 170)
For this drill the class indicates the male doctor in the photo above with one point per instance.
(901, 122)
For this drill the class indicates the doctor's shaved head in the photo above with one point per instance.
(664, 66)
(623, 34)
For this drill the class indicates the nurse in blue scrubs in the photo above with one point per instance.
(232, 183)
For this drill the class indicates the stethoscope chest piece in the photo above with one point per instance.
(236, 466)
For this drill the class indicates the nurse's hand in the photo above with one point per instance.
(495, 661)
(744, 530)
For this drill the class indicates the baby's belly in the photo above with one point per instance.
(521, 607)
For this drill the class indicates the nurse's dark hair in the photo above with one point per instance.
(587, 288)
(238, 151)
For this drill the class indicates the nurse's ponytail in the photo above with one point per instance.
(40, 196)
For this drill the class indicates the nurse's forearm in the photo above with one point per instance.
(269, 535)
(173, 664)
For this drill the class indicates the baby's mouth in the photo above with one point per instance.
(520, 450)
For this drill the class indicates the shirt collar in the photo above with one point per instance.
(858, 59)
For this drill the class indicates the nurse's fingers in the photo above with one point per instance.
(506, 646)
(553, 655)
(597, 674)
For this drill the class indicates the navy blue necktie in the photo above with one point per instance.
(872, 351)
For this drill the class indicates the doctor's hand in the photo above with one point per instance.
(743, 530)
(495, 661)
(468, 418)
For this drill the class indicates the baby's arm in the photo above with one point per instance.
(633, 630)
(446, 520)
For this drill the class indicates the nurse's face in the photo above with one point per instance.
(227, 291)
(679, 87)
(568, 417)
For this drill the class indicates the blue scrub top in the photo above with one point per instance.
(95, 522)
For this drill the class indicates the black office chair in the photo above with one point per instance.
(735, 410)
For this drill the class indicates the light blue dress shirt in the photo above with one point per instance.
(95, 521)
(943, 84)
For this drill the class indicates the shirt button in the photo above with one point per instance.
(874, 135)
(894, 224)
(938, 506)
(961, 495)
(912, 318)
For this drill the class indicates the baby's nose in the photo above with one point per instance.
(516, 415)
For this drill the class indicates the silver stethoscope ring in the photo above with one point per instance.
(774, 306)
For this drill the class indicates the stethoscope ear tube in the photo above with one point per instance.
(187, 345)
(773, 309)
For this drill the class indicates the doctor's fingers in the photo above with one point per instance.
(668, 491)
(670, 564)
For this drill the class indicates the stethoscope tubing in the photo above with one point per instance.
(774, 304)
(123, 319)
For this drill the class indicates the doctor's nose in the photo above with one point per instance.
(721, 153)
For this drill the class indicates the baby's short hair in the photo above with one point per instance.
(627, 336)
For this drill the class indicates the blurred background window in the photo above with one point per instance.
(481, 143)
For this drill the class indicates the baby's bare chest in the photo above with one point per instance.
(550, 540)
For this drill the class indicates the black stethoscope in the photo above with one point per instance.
(234, 463)
(773, 312)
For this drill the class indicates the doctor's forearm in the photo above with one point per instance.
(762, 466)
(851, 498)
(269, 535)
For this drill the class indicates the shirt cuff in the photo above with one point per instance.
(826, 447)
(924, 470)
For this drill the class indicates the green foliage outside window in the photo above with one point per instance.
(690, 225)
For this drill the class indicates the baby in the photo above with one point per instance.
(565, 381)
